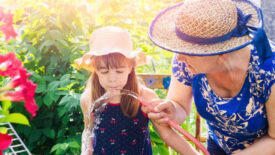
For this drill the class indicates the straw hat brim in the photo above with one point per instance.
(162, 32)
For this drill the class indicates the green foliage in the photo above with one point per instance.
(6, 116)
(159, 147)
(52, 34)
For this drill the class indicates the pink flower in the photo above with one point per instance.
(8, 31)
(7, 19)
(9, 65)
(7, 27)
(5, 142)
(1, 13)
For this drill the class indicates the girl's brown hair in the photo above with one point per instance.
(129, 105)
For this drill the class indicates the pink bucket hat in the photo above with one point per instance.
(107, 40)
(209, 27)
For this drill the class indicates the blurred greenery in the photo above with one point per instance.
(52, 34)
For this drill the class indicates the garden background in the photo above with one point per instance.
(51, 34)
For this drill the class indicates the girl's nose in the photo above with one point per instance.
(112, 77)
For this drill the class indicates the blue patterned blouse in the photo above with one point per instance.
(121, 135)
(233, 123)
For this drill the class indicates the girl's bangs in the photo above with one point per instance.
(114, 60)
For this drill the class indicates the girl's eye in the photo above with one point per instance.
(120, 72)
(104, 71)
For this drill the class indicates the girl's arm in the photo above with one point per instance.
(85, 104)
(177, 142)
(265, 145)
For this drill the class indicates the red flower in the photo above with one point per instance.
(9, 65)
(17, 81)
(26, 94)
(28, 90)
(12, 96)
(22, 79)
(5, 141)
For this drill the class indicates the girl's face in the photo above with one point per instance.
(199, 64)
(115, 77)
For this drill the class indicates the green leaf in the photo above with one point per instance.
(65, 80)
(64, 146)
(47, 100)
(6, 105)
(160, 149)
(35, 135)
(49, 133)
(41, 87)
(41, 83)
(18, 118)
(55, 147)
(53, 95)
(3, 130)
(74, 145)
(65, 100)
(61, 111)
(46, 43)
(57, 35)
(39, 100)
(53, 86)
(65, 120)
(61, 133)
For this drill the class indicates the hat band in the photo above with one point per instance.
(240, 30)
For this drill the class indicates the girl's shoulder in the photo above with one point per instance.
(85, 99)
(147, 93)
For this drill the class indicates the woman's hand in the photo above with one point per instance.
(160, 111)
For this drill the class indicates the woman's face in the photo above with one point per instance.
(113, 78)
(199, 64)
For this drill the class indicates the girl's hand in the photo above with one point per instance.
(160, 111)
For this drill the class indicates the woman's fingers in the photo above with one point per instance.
(146, 109)
(157, 116)
(163, 106)
(149, 107)
(159, 111)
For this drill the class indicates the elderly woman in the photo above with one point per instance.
(224, 61)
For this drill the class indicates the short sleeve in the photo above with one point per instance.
(181, 72)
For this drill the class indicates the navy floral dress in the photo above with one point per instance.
(121, 135)
(233, 123)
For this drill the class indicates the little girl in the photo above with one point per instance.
(124, 127)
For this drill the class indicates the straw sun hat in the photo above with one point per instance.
(206, 27)
(107, 40)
